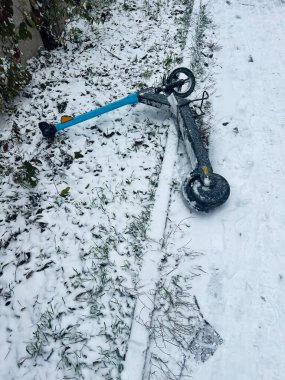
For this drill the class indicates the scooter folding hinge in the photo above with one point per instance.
(154, 99)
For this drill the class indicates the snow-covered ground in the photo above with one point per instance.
(243, 292)
(219, 308)
(80, 219)
(74, 212)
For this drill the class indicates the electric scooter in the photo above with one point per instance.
(203, 189)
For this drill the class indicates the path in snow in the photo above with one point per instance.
(243, 291)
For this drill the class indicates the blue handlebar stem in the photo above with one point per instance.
(128, 100)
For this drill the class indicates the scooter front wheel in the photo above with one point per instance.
(186, 75)
(204, 197)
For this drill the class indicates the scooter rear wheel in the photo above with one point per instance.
(205, 198)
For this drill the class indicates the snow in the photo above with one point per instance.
(243, 292)
(149, 274)
(72, 246)
(119, 279)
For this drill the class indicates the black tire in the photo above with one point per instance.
(205, 198)
(174, 76)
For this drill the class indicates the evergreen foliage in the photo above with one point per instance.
(48, 17)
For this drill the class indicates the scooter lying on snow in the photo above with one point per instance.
(202, 189)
